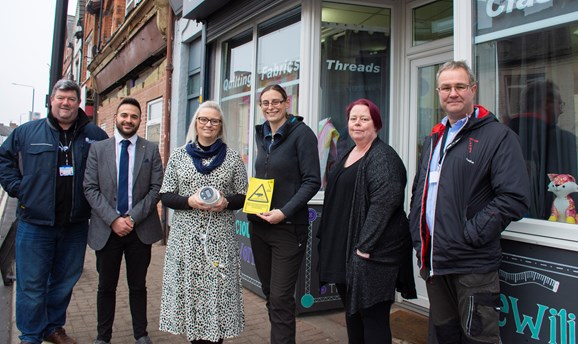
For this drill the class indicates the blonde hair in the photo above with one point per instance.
(209, 104)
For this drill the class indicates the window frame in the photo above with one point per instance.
(310, 43)
(216, 58)
(156, 121)
(553, 234)
(191, 97)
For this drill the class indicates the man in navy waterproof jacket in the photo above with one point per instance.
(42, 164)
(470, 184)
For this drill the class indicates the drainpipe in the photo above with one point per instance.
(167, 111)
(99, 41)
(59, 41)
(205, 66)
(94, 53)
(95, 101)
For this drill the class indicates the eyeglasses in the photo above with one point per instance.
(205, 120)
(274, 102)
(556, 101)
(447, 89)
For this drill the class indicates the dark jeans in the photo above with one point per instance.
(278, 251)
(369, 325)
(49, 262)
(137, 258)
(465, 308)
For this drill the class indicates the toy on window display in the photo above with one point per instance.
(563, 209)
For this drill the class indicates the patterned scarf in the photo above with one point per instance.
(217, 151)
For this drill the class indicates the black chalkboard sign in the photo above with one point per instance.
(309, 295)
(539, 294)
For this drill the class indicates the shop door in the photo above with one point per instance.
(425, 113)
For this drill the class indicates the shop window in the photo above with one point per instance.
(278, 57)
(428, 104)
(432, 21)
(193, 87)
(355, 60)
(236, 91)
(529, 81)
(154, 116)
(277, 52)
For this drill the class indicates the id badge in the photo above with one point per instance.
(434, 177)
(66, 171)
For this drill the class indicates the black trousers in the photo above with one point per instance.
(137, 258)
(278, 251)
(465, 308)
(369, 325)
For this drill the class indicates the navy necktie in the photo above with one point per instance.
(122, 197)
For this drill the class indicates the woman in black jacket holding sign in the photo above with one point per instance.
(286, 153)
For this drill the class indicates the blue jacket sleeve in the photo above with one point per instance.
(10, 175)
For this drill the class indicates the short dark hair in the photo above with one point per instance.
(274, 87)
(537, 93)
(373, 111)
(129, 101)
(66, 85)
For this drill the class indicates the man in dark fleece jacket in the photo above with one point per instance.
(470, 184)
(42, 164)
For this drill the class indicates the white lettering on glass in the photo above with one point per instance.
(508, 6)
(287, 67)
(352, 67)
(237, 81)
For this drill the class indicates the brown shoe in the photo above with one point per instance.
(59, 337)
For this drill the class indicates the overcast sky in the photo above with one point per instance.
(26, 30)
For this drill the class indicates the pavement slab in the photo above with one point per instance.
(324, 327)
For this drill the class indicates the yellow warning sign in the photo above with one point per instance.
(259, 193)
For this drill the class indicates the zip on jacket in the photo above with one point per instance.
(443, 155)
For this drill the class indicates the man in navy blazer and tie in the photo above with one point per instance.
(122, 183)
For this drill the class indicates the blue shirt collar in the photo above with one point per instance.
(281, 131)
(462, 121)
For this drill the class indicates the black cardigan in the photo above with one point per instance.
(378, 225)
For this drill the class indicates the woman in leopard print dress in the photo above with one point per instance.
(201, 283)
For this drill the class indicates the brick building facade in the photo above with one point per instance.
(125, 55)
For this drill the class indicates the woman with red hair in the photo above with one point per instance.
(367, 250)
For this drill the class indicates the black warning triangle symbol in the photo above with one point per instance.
(259, 195)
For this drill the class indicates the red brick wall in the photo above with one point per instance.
(118, 14)
(146, 89)
(106, 31)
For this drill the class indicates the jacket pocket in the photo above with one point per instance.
(38, 158)
(39, 148)
(36, 191)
